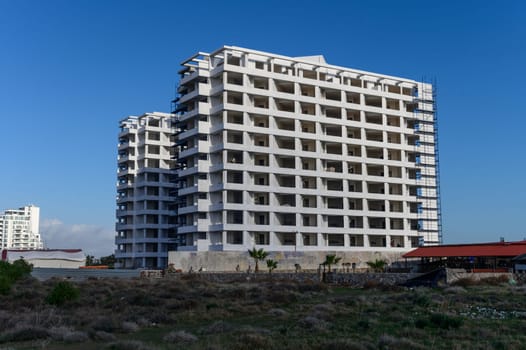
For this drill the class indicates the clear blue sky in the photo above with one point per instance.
(70, 70)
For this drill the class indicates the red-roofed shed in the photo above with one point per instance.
(498, 249)
(476, 257)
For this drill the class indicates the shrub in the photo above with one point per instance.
(371, 284)
(179, 336)
(20, 268)
(104, 336)
(141, 298)
(129, 345)
(281, 297)
(252, 341)
(277, 312)
(129, 327)
(24, 333)
(58, 333)
(421, 299)
(104, 323)
(10, 273)
(495, 281)
(62, 293)
(218, 327)
(309, 286)
(75, 337)
(455, 290)
(311, 322)
(345, 344)
(442, 321)
(5, 284)
(445, 321)
(489, 281)
(363, 324)
(386, 341)
(464, 282)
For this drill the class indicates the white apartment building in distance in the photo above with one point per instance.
(19, 228)
(294, 154)
(145, 225)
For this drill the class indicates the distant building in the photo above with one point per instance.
(19, 228)
(145, 191)
(50, 258)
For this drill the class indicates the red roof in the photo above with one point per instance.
(502, 249)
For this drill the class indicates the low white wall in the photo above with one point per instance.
(56, 263)
(227, 261)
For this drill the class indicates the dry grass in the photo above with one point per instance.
(263, 313)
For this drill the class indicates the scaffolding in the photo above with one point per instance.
(425, 109)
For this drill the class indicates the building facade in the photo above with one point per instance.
(294, 154)
(19, 228)
(145, 226)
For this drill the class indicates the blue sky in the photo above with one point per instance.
(70, 70)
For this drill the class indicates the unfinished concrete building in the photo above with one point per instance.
(145, 191)
(292, 154)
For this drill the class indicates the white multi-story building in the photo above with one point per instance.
(145, 191)
(19, 228)
(294, 154)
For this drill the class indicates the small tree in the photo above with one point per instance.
(330, 260)
(271, 265)
(20, 268)
(90, 260)
(108, 260)
(12, 272)
(377, 265)
(62, 292)
(257, 255)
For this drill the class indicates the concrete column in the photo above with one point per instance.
(321, 241)
(346, 241)
(272, 239)
(299, 241)
(248, 240)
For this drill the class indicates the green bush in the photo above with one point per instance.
(445, 321)
(5, 284)
(422, 300)
(10, 273)
(20, 269)
(363, 324)
(61, 293)
(439, 321)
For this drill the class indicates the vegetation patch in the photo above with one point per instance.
(12, 272)
(439, 321)
(261, 313)
(62, 293)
